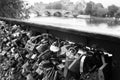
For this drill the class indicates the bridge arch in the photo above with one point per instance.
(47, 13)
(58, 14)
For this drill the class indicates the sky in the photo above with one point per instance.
(104, 2)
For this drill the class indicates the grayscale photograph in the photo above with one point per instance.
(59, 40)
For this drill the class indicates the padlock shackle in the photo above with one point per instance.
(82, 60)
(72, 49)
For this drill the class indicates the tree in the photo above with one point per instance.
(99, 5)
(112, 10)
(89, 8)
(117, 14)
(57, 5)
(12, 8)
(96, 8)
(79, 8)
(70, 6)
(49, 6)
(101, 12)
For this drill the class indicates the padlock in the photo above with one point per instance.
(5, 39)
(24, 66)
(30, 46)
(81, 52)
(29, 77)
(71, 53)
(8, 44)
(45, 55)
(33, 56)
(39, 70)
(55, 47)
(69, 59)
(47, 64)
(64, 49)
(60, 66)
(3, 52)
(42, 47)
(29, 55)
(17, 34)
(35, 65)
(16, 55)
(14, 27)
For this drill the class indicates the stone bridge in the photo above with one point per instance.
(53, 12)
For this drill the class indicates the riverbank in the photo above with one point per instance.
(99, 20)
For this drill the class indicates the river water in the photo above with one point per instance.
(78, 24)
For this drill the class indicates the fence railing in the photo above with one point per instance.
(110, 43)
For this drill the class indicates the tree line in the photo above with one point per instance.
(99, 10)
(18, 9)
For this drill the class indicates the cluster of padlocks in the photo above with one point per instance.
(47, 57)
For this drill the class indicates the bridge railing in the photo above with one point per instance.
(108, 43)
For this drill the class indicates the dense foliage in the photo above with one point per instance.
(13, 9)
(99, 10)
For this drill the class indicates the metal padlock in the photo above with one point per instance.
(28, 55)
(16, 55)
(64, 49)
(60, 66)
(39, 70)
(3, 52)
(42, 47)
(17, 34)
(71, 53)
(55, 47)
(30, 46)
(35, 65)
(25, 65)
(29, 77)
(33, 56)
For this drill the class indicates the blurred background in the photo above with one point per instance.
(98, 12)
